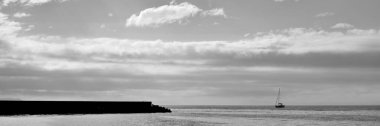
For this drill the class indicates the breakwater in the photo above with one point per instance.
(78, 107)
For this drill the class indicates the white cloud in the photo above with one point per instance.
(28, 2)
(165, 14)
(342, 26)
(247, 34)
(301, 40)
(215, 12)
(291, 41)
(29, 27)
(8, 28)
(296, 41)
(168, 14)
(324, 14)
(21, 15)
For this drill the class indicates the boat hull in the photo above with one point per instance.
(279, 106)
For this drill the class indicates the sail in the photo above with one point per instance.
(278, 104)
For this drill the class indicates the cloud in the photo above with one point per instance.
(215, 12)
(301, 40)
(28, 2)
(21, 15)
(324, 14)
(142, 57)
(247, 34)
(29, 27)
(8, 28)
(342, 26)
(167, 14)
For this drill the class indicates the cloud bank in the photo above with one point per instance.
(56, 53)
(28, 2)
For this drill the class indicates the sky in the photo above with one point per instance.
(191, 52)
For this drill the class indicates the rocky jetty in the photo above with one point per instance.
(9, 107)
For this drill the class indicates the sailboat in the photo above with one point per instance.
(278, 104)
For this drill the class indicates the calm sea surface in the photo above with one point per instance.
(215, 116)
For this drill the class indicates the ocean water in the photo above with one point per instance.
(215, 116)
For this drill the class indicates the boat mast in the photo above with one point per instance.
(278, 96)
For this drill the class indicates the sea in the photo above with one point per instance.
(215, 115)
